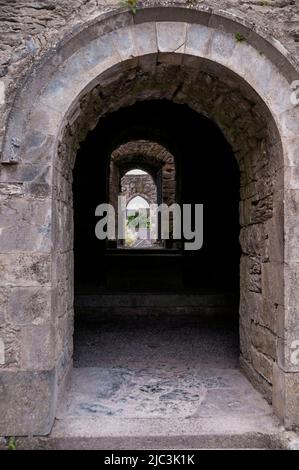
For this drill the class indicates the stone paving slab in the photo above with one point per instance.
(164, 382)
(168, 392)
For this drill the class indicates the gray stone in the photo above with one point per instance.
(262, 364)
(198, 39)
(171, 37)
(291, 199)
(11, 344)
(22, 394)
(145, 39)
(3, 305)
(272, 282)
(291, 280)
(286, 396)
(263, 340)
(2, 92)
(29, 306)
(62, 58)
(222, 44)
(25, 269)
(25, 225)
(37, 347)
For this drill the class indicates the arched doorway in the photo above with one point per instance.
(215, 75)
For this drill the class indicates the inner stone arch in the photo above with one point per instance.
(159, 186)
(168, 294)
(246, 123)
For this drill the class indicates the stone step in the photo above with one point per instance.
(205, 433)
(177, 301)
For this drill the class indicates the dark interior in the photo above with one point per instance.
(207, 173)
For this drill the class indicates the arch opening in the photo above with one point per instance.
(209, 169)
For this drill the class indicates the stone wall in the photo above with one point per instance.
(141, 185)
(31, 28)
(241, 82)
(150, 157)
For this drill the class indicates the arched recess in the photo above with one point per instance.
(151, 157)
(182, 55)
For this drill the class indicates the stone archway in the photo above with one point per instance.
(188, 57)
(152, 157)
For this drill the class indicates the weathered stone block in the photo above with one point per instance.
(245, 339)
(98, 51)
(263, 340)
(147, 63)
(25, 269)
(2, 92)
(272, 282)
(145, 38)
(254, 284)
(62, 189)
(198, 40)
(45, 125)
(262, 364)
(291, 200)
(274, 246)
(25, 225)
(9, 190)
(289, 123)
(222, 46)
(256, 379)
(29, 306)
(21, 173)
(288, 343)
(288, 356)
(291, 418)
(251, 304)
(247, 60)
(124, 43)
(252, 239)
(278, 400)
(63, 221)
(37, 142)
(291, 179)
(11, 345)
(37, 347)
(291, 151)
(171, 37)
(171, 13)
(3, 305)
(260, 209)
(27, 402)
(2, 352)
(64, 337)
(271, 315)
(286, 397)
(291, 282)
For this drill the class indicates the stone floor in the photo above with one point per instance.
(161, 377)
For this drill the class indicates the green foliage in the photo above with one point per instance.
(132, 4)
(140, 219)
(12, 444)
(239, 37)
